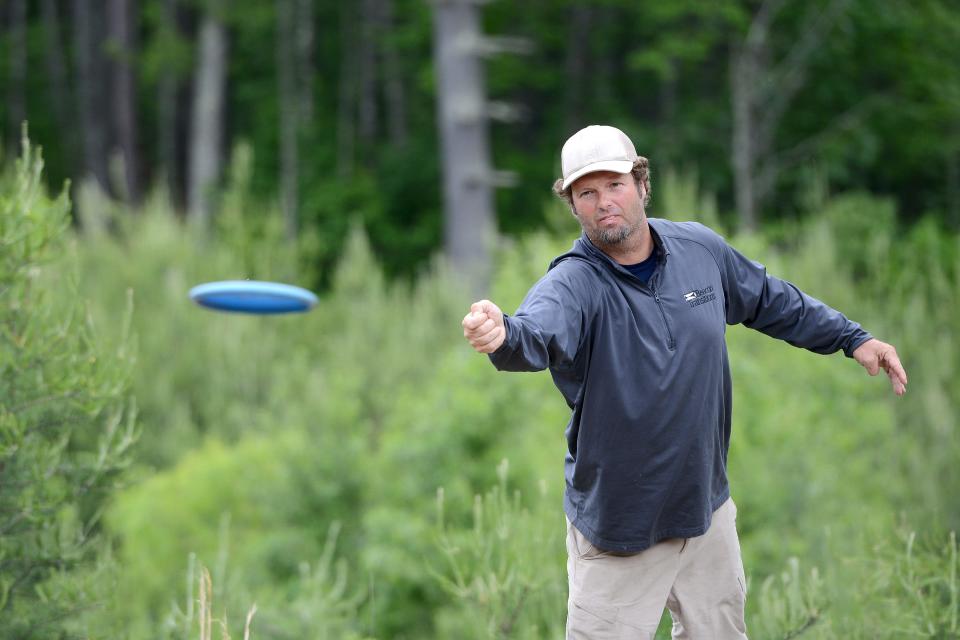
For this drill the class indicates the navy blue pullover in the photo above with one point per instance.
(645, 372)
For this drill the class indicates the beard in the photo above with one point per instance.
(610, 237)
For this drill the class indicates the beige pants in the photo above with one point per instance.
(700, 580)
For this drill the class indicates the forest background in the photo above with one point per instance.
(358, 471)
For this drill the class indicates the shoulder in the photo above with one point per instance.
(576, 273)
(688, 236)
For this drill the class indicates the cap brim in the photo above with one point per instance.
(616, 166)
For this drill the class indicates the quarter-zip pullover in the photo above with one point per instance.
(644, 370)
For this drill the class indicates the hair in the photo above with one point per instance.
(640, 173)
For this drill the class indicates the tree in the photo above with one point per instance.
(65, 428)
(88, 80)
(761, 92)
(121, 21)
(207, 121)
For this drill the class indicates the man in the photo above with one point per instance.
(631, 323)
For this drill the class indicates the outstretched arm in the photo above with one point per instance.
(874, 355)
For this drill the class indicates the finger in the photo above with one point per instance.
(898, 387)
(487, 337)
(891, 362)
(480, 306)
(896, 373)
(485, 327)
(872, 365)
(473, 320)
(495, 343)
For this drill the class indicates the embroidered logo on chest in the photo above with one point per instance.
(700, 296)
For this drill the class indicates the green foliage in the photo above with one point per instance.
(65, 423)
(506, 573)
(267, 440)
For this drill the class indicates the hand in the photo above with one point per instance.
(483, 327)
(875, 355)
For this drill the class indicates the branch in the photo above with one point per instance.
(783, 83)
(779, 161)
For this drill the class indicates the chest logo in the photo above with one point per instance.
(700, 296)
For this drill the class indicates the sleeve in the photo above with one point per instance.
(779, 309)
(546, 329)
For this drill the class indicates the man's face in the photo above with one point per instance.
(609, 207)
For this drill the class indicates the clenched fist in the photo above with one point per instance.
(483, 326)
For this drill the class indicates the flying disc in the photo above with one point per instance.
(253, 296)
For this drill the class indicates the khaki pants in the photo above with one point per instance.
(700, 580)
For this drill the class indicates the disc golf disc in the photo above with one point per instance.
(253, 296)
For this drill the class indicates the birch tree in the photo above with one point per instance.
(206, 129)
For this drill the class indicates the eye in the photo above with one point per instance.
(585, 193)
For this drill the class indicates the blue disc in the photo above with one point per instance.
(252, 296)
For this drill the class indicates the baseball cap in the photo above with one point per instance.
(596, 148)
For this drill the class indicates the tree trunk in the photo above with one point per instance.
(668, 115)
(575, 66)
(761, 94)
(306, 69)
(743, 148)
(469, 221)
(206, 135)
(124, 95)
(953, 188)
(57, 70)
(167, 116)
(346, 95)
(17, 69)
(89, 92)
(368, 75)
(290, 107)
(393, 78)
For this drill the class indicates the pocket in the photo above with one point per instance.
(583, 547)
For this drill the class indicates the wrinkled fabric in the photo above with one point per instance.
(644, 369)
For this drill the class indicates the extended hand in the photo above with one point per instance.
(483, 326)
(875, 355)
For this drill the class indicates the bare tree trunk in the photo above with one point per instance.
(668, 114)
(167, 106)
(57, 70)
(17, 69)
(393, 78)
(953, 188)
(124, 95)
(206, 135)
(368, 74)
(346, 94)
(743, 147)
(469, 221)
(89, 92)
(306, 69)
(575, 66)
(290, 106)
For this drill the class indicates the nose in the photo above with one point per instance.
(604, 201)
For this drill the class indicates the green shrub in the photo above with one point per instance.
(65, 423)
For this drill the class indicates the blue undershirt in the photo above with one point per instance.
(645, 269)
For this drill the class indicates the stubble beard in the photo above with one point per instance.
(612, 238)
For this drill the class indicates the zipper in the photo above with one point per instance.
(671, 343)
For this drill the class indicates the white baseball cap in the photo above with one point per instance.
(596, 148)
